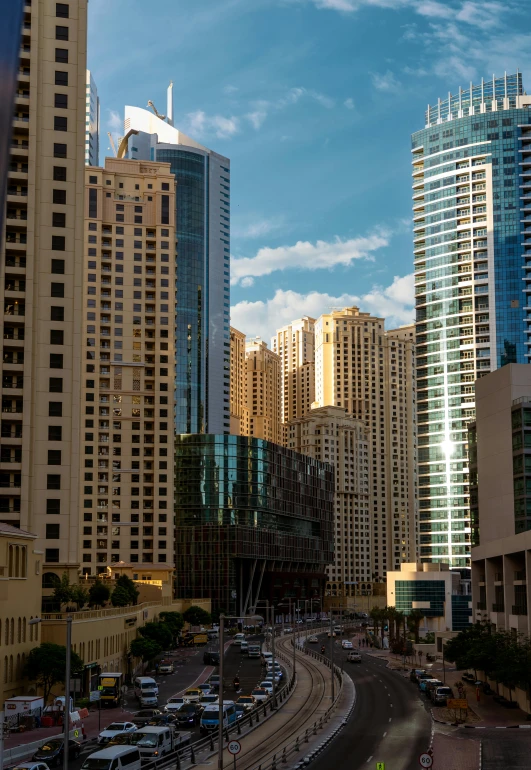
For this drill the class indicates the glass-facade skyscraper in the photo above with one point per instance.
(202, 253)
(471, 204)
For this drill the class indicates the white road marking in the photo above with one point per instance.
(390, 718)
(369, 759)
(385, 734)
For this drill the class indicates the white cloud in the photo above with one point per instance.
(255, 227)
(200, 124)
(230, 90)
(256, 118)
(306, 256)
(114, 121)
(246, 282)
(385, 82)
(349, 103)
(394, 303)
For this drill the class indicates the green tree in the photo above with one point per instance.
(147, 649)
(79, 596)
(157, 632)
(99, 593)
(63, 591)
(376, 615)
(392, 614)
(414, 619)
(174, 621)
(197, 616)
(46, 666)
(130, 587)
(120, 597)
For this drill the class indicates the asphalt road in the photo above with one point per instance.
(389, 723)
(503, 748)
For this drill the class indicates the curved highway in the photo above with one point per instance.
(389, 723)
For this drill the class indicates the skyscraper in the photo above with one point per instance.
(41, 292)
(471, 181)
(239, 411)
(262, 385)
(128, 363)
(202, 252)
(92, 123)
(295, 344)
(370, 372)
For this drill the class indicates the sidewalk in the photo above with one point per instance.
(453, 753)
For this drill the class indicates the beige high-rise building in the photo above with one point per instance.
(371, 373)
(42, 261)
(128, 365)
(239, 411)
(295, 344)
(332, 435)
(263, 391)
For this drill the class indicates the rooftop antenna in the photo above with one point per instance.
(169, 106)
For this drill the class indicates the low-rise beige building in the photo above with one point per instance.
(20, 601)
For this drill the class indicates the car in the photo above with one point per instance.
(431, 685)
(260, 694)
(415, 673)
(338, 630)
(288, 630)
(120, 739)
(299, 622)
(189, 714)
(421, 677)
(267, 684)
(240, 710)
(441, 694)
(161, 720)
(205, 688)
(165, 667)
(174, 703)
(192, 695)
(143, 716)
(247, 701)
(346, 644)
(51, 752)
(31, 766)
(354, 657)
(331, 633)
(276, 675)
(117, 727)
(206, 700)
(244, 646)
(238, 639)
(313, 640)
(214, 682)
(423, 683)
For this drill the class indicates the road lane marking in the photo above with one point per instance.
(369, 759)
(385, 734)
(390, 718)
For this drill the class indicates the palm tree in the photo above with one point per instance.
(415, 618)
(400, 618)
(376, 615)
(391, 617)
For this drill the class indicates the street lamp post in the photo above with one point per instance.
(66, 714)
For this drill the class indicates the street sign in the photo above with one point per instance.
(425, 760)
(380, 766)
(234, 747)
(94, 695)
(100, 687)
(76, 733)
(456, 703)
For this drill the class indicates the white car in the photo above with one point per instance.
(174, 704)
(114, 729)
(238, 639)
(288, 630)
(346, 644)
(31, 766)
(165, 667)
(313, 640)
(267, 685)
(260, 693)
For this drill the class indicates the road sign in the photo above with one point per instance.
(457, 703)
(100, 687)
(425, 760)
(76, 733)
(234, 747)
(380, 766)
(94, 695)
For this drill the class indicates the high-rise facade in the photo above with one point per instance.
(371, 373)
(202, 253)
(42, 262)
(127, 438)
(295, 344)
(92, 122)
(239, 411)
(330, 434)
(471, 181)
(262, 378)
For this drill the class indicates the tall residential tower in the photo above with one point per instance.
(202, 253)
(295, 344)
(471, 183)
(92, 123)
(42, 262)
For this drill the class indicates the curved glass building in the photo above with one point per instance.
(472, 247)
(202, 254)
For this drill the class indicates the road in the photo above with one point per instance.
(389, 724)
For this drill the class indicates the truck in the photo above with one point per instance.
(189, 640)
(110, 687)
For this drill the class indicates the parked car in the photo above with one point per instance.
(431, 685)
(189, 714)
(113, 729)
(260, 694)
(423, 683)
(441, 694)
(51, 752)
(422, 677)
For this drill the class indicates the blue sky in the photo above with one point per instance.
(314, 102)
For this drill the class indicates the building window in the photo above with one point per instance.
(56, 337)
(60, 123)
(52, 532)
(58, 244)
(59, 151)
(61, 55)
(61, 78)
(57, 313)
(54, 457)
(61, 33)
(165, 210)
(61, 102)
(55, 409)
(59, 172)
(53, 505)
(58, 219)
(61, 10)
(58, 266)
(55, 385)
(57, 289)
(93, 203)
(51, 555)
(59, 196)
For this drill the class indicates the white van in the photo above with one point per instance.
(153, 741)
(114, 758)
(145, 683)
